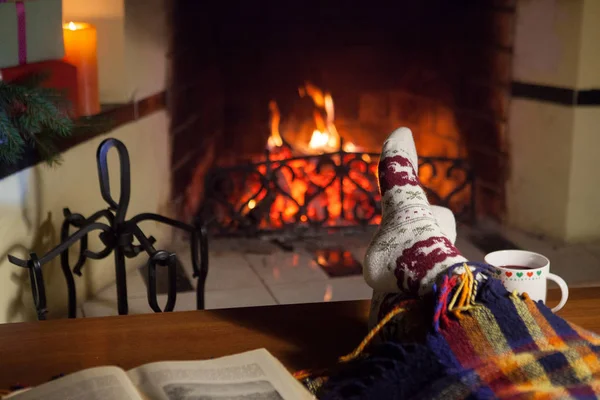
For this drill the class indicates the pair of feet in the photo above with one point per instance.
(415, 241)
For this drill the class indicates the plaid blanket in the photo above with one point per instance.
(479, 342)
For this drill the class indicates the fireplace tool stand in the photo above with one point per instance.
(117, 235)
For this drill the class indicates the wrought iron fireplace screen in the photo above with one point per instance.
(311, 194)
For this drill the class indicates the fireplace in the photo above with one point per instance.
(279, 110)
(310, 179)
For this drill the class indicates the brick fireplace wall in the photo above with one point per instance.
(443, 69)
(196, 102)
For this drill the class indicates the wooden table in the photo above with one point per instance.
(301, 336)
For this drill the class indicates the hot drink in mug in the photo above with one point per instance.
(526, 272)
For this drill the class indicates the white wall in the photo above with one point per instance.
(554, 187)
(584, 190)
(146, 43)
(547, 36)
(589, 57)
(537, 192)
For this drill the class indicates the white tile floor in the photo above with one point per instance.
(255, 273)
(248, 273)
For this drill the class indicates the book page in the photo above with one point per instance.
(255, 375)
(102, 383)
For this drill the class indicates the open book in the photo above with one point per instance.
(251, 375)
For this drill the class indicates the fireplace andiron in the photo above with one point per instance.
(117, 235)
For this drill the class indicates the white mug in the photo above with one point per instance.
(530, 277)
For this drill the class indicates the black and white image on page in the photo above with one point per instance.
(256, 390)
(252, 375)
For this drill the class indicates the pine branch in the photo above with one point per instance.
(42, 113)
(32, 116)
(11, 143)
(48, 150)
(58, 97)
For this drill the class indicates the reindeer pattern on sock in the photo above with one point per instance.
(409, 250)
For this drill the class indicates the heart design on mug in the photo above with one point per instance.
(519, 274)
(539, 273)
(509, 274)
(530, 274)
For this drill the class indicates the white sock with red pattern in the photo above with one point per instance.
(409, 250)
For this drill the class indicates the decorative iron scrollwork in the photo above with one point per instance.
(256, 199)
(117, 235)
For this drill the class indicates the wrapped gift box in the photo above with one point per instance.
(61, 75)
(30, 31)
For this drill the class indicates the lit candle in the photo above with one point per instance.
(80, 51)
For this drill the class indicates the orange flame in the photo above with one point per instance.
(314, 93)
(318, 140)
(303, 178)
(300, 183)
(275, 140)
(325, 137)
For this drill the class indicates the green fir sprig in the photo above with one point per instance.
(32, 116)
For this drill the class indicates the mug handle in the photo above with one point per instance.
(564, 289)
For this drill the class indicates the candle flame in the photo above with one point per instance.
(76, 26)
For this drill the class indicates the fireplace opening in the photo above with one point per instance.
(309, 178)
(279, 111)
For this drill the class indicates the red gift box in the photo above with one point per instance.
(61, 75)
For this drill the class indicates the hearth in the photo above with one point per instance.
(279, 110)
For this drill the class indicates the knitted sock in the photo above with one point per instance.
(409, 250)
(446, 222)
(383, 302)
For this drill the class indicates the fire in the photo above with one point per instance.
(319, 140)
(326, 137)
(309, 185)
(297, 187)
(275, 140)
